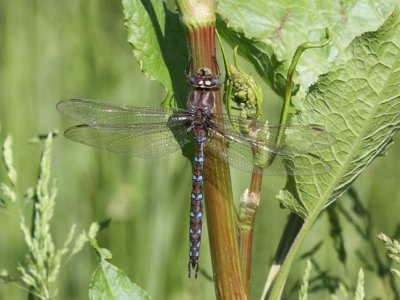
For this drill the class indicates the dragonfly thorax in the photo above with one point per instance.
(200, 118)
(201, 100)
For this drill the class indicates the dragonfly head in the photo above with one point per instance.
(203, 79)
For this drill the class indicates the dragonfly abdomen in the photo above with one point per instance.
(196, 203)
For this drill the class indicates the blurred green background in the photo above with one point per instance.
(50, 50)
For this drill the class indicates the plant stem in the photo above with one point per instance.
(292, 229)
(250, 199)
(280, 280)
(289, 82)
(198, 18)
(247, 213)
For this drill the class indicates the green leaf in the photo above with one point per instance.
(268, 32)
(109, 282)
(161, 53)
(359, 102)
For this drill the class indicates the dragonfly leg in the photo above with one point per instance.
(216, 65)
(189, 64)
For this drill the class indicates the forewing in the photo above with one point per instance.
(139, 140)
(95, 113)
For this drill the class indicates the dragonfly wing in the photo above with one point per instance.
(245, 157)
(139, 140)
(95, 113)
(296, 139)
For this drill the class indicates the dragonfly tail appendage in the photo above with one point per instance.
(193, 266)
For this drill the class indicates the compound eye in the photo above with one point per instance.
(214, 82)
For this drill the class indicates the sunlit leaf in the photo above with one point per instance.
(359, 102)
(161, 53)
(109, 282)
(268, 32)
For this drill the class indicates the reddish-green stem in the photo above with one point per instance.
(251, 198)
(247, 213)
(198, 17)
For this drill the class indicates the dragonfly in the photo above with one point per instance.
(151, 132)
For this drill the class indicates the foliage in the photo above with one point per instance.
(148, 25)
(53, 50)
(368, 100)
(343, 291)
(367, 88)
(362, 84)
(110, 282)
(393, 247)
(283, 25)
(303, 294)
(360, 294)
(43, 261)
